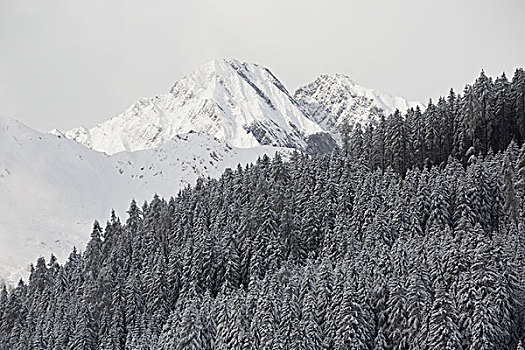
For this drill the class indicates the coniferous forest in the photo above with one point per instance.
(411, 236)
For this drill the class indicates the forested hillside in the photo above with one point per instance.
(409, 237)
(484, 119)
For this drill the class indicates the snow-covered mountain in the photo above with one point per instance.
(247, 106)
(53, 188)
(332, 100)
(224, 113)
(242, 103)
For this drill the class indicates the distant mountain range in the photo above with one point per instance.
(225, 113)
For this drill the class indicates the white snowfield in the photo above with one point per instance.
(53, 186)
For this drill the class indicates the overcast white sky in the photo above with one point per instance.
(66, 63)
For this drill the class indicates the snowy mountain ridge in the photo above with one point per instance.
(247, 106)
(241, 103)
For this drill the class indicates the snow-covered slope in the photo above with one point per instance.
(242, 103)
(334, 100)
(53, 188)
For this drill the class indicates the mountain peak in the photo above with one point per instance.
(338, 77)
(219, 70)
(241, 103)
(333, 100)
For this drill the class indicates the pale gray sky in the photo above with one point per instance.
(66, 63)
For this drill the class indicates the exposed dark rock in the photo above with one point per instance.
(320, 143)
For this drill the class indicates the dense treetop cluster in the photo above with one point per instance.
(485, 119)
